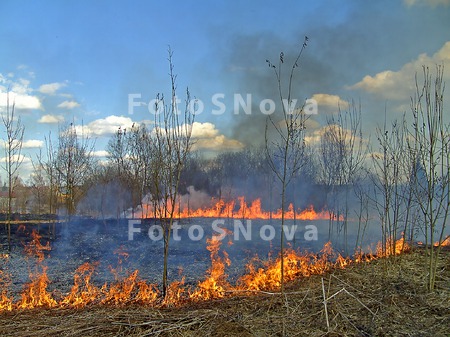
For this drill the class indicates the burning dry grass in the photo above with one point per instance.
(127, 288)
(327, 293)
(384, 297)
(241, 210)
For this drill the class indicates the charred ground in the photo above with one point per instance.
(386, 297)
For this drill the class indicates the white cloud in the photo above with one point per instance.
(398, 85)
(19, 94)
(100, 153)
(205, 136)
(22, 86)
(20, 101)
(315, 137)
(28, 144)
(330, 101)
(51, 119)
(312, 124)
(32, 144)
(51, 88)
(16, 158)
(202, 130)
(68, 105)
(105, 126)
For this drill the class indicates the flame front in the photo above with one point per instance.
(83, 292)
(268, 277)
(215, 284)
(35, 293)
(243, 210)
(128, 288)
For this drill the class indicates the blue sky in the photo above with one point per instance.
(78, 61)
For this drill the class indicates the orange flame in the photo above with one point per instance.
(295, 265)
(35, 248)
(392, 248)
(215, 284)
(35, 293)
(261, 275)
(175, 294)
(6, 303)
(222, 209)
(444, 243)
(83, 292)
(122, 291)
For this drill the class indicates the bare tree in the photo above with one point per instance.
(342, 157)
(130, 153)
(171, 146)
(139, 162)
(119, 155)
(285, 150)
(390, 182)
(38, 183)
(48, 165)
(117, 149)
(430, 137)
(50, 170)
(362, 191)
(73, 162)
(13, 155)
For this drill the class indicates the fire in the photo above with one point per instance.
(83, 292)
(35, 248)
(175, 293)
(6, 303)
(35, 293)
(241, 210)
(296, 265)
(122, 291)
(127, 287)
(215, 284)
(444, 243)
(147, 293)
(392, 248)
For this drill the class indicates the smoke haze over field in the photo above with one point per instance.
(367, 54)
(339, 58)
